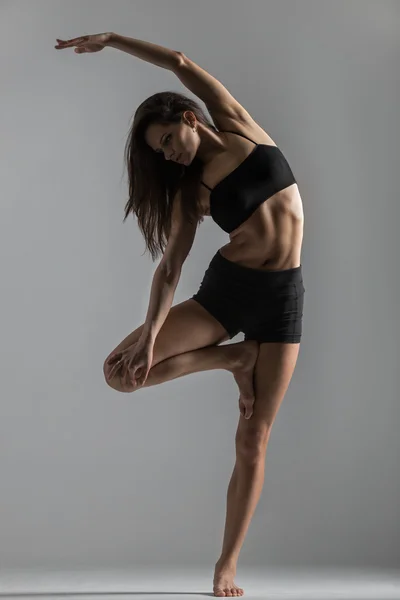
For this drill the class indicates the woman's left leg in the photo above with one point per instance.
(273, 372)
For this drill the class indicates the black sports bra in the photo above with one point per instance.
(263, 173)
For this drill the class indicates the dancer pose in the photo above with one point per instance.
(181, 168)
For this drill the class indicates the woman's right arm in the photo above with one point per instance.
(168, 272)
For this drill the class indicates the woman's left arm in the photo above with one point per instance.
(157, 55)
(206, 87)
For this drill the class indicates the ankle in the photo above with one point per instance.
(234, 355)
(226, 562)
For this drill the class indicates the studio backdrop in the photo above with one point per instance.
(93, 478)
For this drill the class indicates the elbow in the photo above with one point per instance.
(179, 60)
(170, 273)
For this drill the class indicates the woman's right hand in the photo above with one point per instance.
(133, 364)
(86, 43)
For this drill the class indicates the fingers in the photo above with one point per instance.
(73, 41)
(143, 380)
(112, 372)
(124, 365)
(113, 358)
(116, 365)
(114, 369)
(116, 362)
(127, 374)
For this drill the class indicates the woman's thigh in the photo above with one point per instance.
(188, 326)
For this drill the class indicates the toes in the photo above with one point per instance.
(248, 409)
(228, 592)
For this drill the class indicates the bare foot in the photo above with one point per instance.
(243, 372)
(223, 582)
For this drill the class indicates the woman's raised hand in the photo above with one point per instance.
(86, 43)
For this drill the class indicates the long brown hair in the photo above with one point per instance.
(154, 181)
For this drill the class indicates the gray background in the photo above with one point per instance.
(94, 478)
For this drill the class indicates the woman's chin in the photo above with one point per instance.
(188, 159)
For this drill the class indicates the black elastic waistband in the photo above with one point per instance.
(277, 277)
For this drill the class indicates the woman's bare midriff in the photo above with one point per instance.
(271, 238)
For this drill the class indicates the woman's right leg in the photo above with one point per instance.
(187, 343)
(187, 327)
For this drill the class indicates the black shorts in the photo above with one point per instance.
(266, 306)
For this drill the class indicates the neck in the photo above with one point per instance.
(211, 144)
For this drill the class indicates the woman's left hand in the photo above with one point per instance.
(86, 43)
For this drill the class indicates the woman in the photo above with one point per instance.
(181, 168)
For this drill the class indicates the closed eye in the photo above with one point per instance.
(164, 142)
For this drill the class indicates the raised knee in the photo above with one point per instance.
(106, 366)
(115, 383)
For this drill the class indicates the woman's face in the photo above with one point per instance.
(177, 141)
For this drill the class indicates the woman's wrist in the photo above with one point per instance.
(110, 37)
(147, 337)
